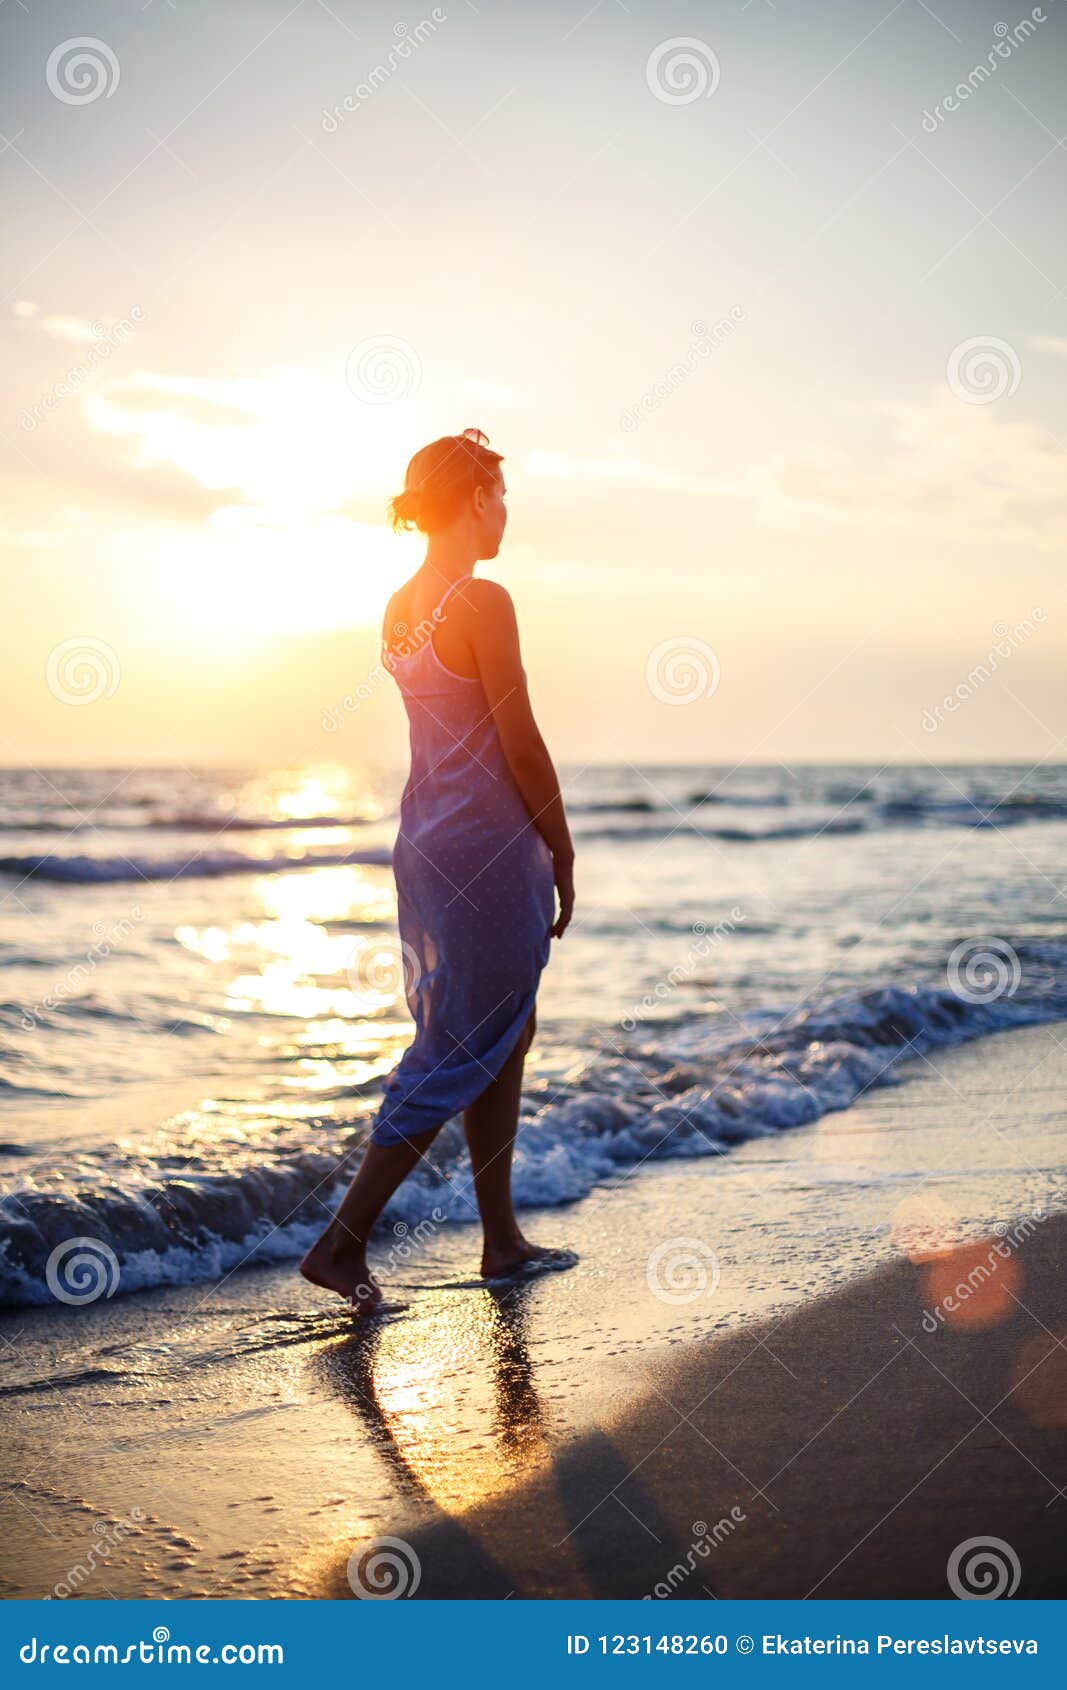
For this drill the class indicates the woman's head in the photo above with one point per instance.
(455, 482)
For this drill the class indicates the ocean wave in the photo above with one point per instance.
(592, 824)
(242, 843)
(191, 821)
(196, 821)
(690, 1091)
(743, 800)
(731, 835)
(88, 870)
(979, 811)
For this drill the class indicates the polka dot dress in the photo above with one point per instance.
(475, 891)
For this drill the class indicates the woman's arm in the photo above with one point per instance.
(494, 637)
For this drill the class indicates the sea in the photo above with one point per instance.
(203, 989)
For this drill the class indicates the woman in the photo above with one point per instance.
(483, 841)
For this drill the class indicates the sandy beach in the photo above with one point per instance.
(842, 1451)
(533, 735)
(791, 1427)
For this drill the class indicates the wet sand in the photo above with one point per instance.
(844, 1451)
(571, 1437)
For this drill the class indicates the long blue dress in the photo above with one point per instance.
(475, 890)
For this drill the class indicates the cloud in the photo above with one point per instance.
(953, 470)
(943, 471)
(1048, 343)
(128, 406)
(87, 475)
(293, 446)
(73, 328)
(61, 326)
(618, 468)
(275, 467)
(290, 440)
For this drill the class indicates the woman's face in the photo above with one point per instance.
(492, 516)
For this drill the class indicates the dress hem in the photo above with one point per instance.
(384, 1133)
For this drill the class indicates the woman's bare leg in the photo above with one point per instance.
(491, 1124)
(338, 1260)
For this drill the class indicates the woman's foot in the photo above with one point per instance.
(499, 1261)
(346, 1273)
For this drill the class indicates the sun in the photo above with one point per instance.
(289, 455)
(252, 573)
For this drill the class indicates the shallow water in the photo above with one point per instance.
(203, 988)
(244, 1438)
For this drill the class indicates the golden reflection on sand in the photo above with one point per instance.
(923, 1224)
(447, 1394)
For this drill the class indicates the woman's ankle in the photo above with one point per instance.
(343, 1246)
(502, 1239)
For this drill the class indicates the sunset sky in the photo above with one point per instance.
(233, 306)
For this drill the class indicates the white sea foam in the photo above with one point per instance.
(693, 1094)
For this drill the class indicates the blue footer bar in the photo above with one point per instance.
(537, 1643)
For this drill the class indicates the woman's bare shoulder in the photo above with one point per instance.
(489, 598)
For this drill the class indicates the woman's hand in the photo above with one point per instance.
(563, 869)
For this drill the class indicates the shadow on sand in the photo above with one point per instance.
(444, 1557)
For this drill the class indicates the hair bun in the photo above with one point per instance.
(404, 508)
(441, 477)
